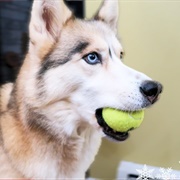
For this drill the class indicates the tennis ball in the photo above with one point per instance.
(122, 121)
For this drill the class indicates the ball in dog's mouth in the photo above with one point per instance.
(117, 123)
(115, 135)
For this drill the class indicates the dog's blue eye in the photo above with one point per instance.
(92, 58)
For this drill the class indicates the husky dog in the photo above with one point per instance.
(73, 69)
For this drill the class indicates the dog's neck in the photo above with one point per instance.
(39, 152)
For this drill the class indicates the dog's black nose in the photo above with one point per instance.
(151, 90)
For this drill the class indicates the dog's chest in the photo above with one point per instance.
(70, 161)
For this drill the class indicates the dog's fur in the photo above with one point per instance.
(48, 127)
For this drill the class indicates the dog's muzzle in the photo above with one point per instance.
(150, 91)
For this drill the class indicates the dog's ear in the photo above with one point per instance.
(108, 13)
(47, 20)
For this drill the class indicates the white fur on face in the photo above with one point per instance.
(89, 87)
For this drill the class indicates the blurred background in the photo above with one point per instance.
(150, 33)
(14, 21)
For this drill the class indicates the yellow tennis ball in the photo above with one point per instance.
(122, 121)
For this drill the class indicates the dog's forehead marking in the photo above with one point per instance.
(61, 55)
(76, 38)
(106, 36)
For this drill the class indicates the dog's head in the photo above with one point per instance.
(77, 69)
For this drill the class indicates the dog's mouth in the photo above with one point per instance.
(118, 136)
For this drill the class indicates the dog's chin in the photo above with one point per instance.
(109, 132)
